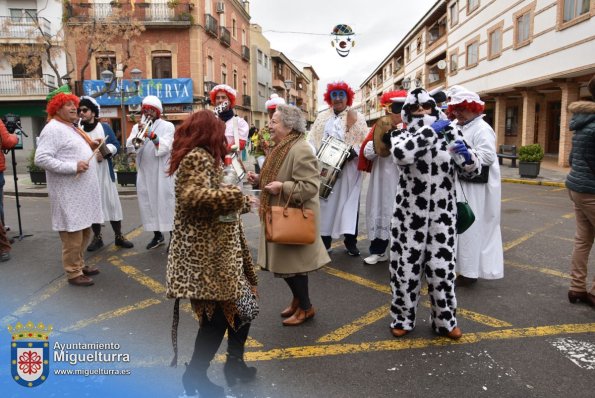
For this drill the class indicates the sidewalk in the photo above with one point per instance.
(550, 174)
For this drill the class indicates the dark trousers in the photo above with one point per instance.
(299, 287)
(2, 197)
(209, 337)
(378, 246)
(116, 226)
(350, 240)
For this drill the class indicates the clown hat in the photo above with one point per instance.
(229, 91)
(274, 101)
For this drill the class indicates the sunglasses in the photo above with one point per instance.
(338, 94)
(426, 106)
(84, 110)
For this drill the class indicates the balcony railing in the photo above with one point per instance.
(225, 36)
(246, 100)
(24, 28)
(211, 25)
(25, 86)
(245, 53)
(151, 14)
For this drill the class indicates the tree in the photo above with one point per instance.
(87, 29)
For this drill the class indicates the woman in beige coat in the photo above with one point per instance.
(290, 166)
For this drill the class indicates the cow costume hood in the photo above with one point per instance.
(420, 96)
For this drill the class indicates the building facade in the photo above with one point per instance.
(261, 71)
(527, 59)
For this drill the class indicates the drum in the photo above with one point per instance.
(331, 155)
(237, 165)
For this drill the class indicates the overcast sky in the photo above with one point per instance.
(379, 25)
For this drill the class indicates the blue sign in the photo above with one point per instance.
(169, 91)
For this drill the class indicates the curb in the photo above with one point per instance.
(24, 194)
(534, 182)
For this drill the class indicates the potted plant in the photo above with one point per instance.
(36, 173)
(125, 168)
(530, 157)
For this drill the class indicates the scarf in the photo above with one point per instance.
(88, 127)
(271, 167)
(226, 115)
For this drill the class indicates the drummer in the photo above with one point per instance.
(384, 176)
(339, 213)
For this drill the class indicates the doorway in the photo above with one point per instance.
(553, 127)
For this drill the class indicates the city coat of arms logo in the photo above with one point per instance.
(30, 353)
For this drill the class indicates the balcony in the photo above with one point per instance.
(11, 86)
(211, 25)
(245, 53)
(225, 36)
(156, 15)
(246, 100)
(208, 86)
(24, 28)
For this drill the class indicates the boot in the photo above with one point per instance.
(287, 312)
(96, 243)
(299, 316)
(195, 380)
(236, 369)
(121, 241)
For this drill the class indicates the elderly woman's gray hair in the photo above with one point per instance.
(292, 117)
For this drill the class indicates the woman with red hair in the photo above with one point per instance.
(208, 262)
(66, 154)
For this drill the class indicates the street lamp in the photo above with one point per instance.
(287, 83)
(108, 78)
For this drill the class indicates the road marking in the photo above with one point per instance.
(355, 326)
(581, 353)
(28, 308)
(480, 318)
(111, 314)
(137, 275)
(326, 350)
(546, 271)
(528, 236)
(357, 279)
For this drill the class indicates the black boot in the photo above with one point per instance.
(96, 243)
(195, 380)
(121, 241)
(236, 369)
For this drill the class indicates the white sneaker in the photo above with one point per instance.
(376, 258)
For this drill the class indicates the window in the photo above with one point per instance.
(31, 70)
(472, 53)
(437, 31)
(210, 69)
(418, 44)
(512, 120)
(495, 41)
(454, 63)
(266, 61)
(398, 63)
(574, 8)
(161, 64)
(435, 74)
(223, 74)
(472, 5)
(523, 26)
(259, 56)
(261, 90)
(245, 86)
(454, 13)
(407, 54)
(234, 28)
(23, 15)
(235, 79)
(105, 61)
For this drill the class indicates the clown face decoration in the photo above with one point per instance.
(343, 39)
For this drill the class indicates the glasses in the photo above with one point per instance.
(426, 106)
(338, 94)
(84, 110)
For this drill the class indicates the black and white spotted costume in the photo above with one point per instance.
(424, 217)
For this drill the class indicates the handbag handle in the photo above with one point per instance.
(289, 199)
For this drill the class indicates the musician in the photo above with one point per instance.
(339, 212)
(384, 176)
(88, 112)
(66, 154)
(236, 128)
(155, 189)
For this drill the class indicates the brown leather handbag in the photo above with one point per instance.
(289, 225)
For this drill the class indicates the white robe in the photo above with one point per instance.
(155, 189)
(110, 200)
(338, 213)
(243, 130)
(479, 251)
(75, 201)
(382, 189)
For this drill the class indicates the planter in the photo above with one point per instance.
(126, 177)
(529, 169)
(38, 177)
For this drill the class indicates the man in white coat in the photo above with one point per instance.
(236, 128)
(66, 154)
(339, 213)
(88, 112)
(155, 189)
(479, 249)
(384, 177)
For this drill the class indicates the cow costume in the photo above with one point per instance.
(424, 218)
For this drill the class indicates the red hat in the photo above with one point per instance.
(338, 86)
(229, 91)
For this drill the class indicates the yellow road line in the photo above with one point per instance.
(355, 326)
(483, 319)
(44, 295)
(404, 343)
(527, 236)
(357, 279)
(111, 314)
(569, 215)
(138, 275)
(538, 269)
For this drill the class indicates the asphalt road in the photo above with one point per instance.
(522, 338)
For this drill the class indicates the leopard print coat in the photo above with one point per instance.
(207, 259)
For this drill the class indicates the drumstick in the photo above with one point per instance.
(94, 153)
